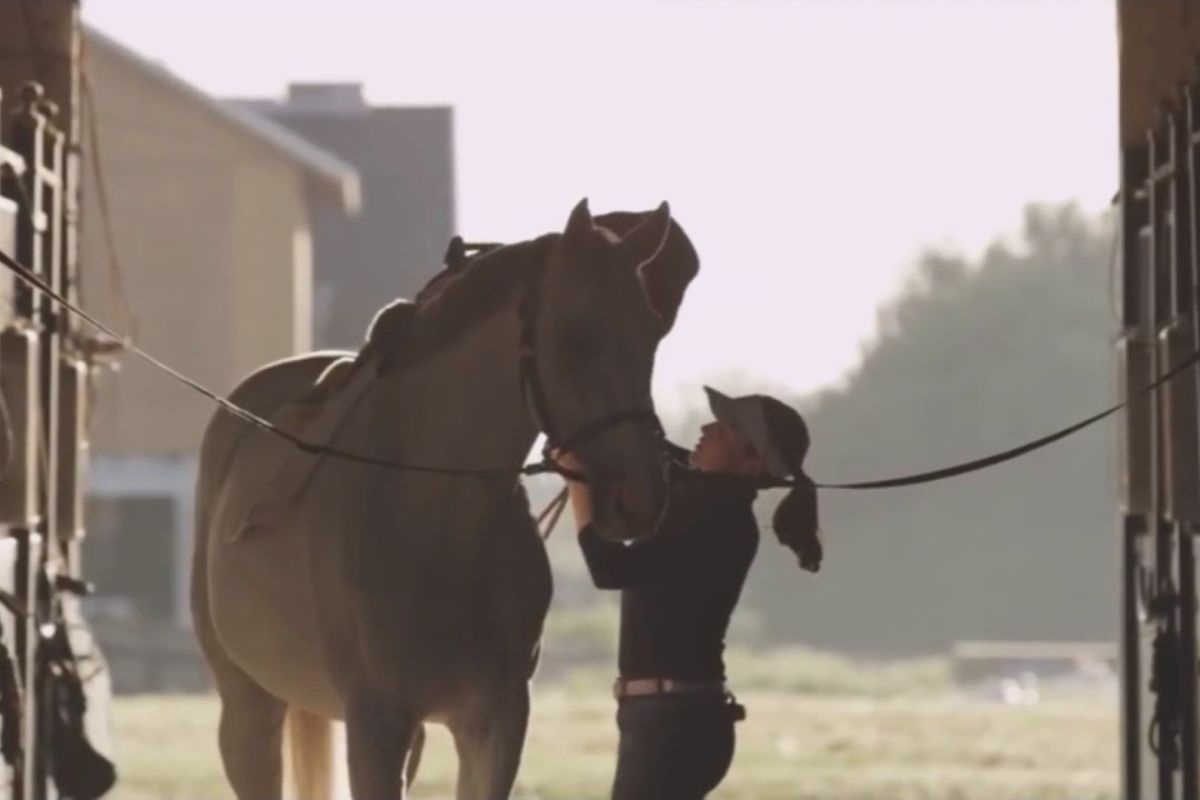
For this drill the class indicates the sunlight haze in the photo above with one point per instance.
(810, 149)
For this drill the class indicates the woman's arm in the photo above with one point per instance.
(581, 503)
(579, 492)
(625, 565)
(612, 565)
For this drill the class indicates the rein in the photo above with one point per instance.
(541, 410)
(545, 466)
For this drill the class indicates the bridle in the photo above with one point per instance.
(535, 393)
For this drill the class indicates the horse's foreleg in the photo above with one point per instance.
(489, 746)
(377, 742)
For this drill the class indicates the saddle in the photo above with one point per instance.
(317, 414)
(296, 415)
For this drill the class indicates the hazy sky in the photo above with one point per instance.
(809, 148)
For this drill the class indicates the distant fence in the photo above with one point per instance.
(152, 659)
(974, 660)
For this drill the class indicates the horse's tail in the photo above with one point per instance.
(414, 755)
(310, 750)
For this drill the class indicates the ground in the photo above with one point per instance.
(948, 744)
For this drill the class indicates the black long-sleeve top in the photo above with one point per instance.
(679, 589)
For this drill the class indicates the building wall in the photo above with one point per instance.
(405, 157)
(209, 226)
(1158, 47)
(270, 275)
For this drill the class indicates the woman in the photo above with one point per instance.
(680, 587)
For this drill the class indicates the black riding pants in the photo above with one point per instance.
(673, 746)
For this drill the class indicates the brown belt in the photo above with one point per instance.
(642, 687)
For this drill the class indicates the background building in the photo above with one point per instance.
(405, 157)
(210, 211)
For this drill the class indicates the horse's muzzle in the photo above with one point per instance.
(632, 509)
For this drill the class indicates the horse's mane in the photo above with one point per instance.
(404, 331)
(465, 292)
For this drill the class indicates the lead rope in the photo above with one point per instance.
(547, 465)
(553, 512)
(27, 276)
(963, 468)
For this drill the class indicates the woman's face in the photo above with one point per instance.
(723, 449)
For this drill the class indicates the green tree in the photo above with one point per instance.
(970, 358)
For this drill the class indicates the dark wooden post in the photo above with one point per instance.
(40, 44)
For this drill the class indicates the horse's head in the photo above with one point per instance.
(608, 295)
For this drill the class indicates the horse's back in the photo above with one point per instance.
(262, 393)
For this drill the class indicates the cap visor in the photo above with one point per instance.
(722, 406)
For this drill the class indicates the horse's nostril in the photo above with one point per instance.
(632, 502)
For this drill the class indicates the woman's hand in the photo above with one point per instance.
(568, 461)
(581, 495)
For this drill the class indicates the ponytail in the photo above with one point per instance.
(796, 522)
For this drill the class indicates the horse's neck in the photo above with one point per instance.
(460, 407)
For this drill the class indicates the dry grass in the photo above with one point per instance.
(792, 746)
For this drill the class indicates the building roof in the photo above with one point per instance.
(327, 169)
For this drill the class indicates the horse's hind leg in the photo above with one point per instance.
(251, 728)
(414, 755)
(489, 746)
(250, 734)
(251, 737)
(377, 742)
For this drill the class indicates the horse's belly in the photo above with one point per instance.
(261, 600)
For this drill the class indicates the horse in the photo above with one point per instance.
(325, 588)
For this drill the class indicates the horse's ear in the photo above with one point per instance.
(579, 225)
(645, 243)
(666, 276)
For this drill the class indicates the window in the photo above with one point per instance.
(129, 554)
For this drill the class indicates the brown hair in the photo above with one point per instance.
(796, 519)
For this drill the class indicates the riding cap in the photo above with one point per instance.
(775, 430)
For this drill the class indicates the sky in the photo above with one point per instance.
(811, 149)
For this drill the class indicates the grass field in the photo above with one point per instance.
(862, 738)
